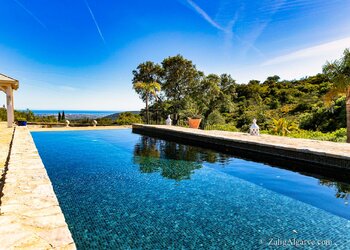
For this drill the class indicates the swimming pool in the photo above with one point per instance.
(120, 190)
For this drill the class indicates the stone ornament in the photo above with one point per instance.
(168, 121)
(94, 123)
(254, 128)
(67, 123)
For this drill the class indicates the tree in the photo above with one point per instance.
(186, 91)
(179, 79)
(147, 72)
(63, 117)
(29, 115)
(149, 153)
(206, 94)
(338, 73)
(274, 79)
(147, 91)
(215, 93)
(227, 94)
(215, 118)
(146, 82)
(59, 116)
(127, 118)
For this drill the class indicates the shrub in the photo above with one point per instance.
(215, 118)
(127, 118)
(104, 121)
(283, 127)
(3, 114)
(21, 119)
(24, 115)
(223, 127)
(336, 136)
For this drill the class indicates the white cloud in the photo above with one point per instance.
(95, 21)
(295, 65)
(226, 30)
(30, 13)
(326, 51)
(201, 12)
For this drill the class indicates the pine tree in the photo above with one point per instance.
(59, 116)
(63, 116)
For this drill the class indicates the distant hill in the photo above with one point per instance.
(115, 115)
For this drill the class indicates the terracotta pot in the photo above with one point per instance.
(194, 122)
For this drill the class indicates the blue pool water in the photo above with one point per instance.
(120, 190)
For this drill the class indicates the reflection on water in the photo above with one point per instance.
(195, 198)
(342, 189)
(178, 162)
(172, 160)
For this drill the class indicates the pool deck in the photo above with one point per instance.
(30, 215)
(323, 154)
(5, 141)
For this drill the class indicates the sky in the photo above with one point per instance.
(79, 54)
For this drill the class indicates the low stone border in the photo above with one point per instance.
(320, 154)
(30, 215)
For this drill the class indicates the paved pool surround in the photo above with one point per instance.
(30, 215)
(322, 155)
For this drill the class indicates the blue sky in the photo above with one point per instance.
(80, 54)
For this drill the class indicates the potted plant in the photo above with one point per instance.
(192, 112)
(22, 122)
(194, 121)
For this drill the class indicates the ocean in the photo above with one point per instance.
(76, 113)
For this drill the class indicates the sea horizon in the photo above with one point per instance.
(75, 113)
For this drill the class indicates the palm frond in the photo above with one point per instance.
(338, 73)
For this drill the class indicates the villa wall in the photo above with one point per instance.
(30, 215)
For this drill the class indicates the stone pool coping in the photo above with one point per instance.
(5, 141)
(30, 215)
(322, 154)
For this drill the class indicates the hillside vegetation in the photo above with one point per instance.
(294, 108)
(121, 118)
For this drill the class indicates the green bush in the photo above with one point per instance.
(325, 119)
(336, 136)
(215, 118)
(223, 127)
(24, 115)
(104, 121)
(21, 119)
(3, 114)
(128, 118)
